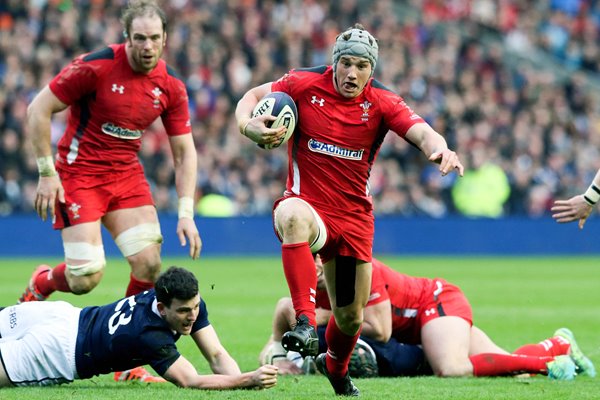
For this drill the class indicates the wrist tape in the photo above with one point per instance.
(592, 195)
(45, 166)
(186, 207)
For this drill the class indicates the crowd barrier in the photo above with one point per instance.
(26, 235)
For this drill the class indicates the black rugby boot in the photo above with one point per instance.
(302, 339)
(341, 386)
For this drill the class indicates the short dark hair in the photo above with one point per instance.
(175, 283)
(139, 8)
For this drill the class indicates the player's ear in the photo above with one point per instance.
(161, 308)
(165, 39)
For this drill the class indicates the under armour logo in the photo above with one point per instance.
(119, 89)
(320, 101)
(429, 312)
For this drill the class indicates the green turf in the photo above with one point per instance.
(515, 300)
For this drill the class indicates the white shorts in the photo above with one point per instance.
(37, 342)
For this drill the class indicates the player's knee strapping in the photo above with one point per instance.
(345, 278)
(93, 257)
(136, 239)
(319, 241)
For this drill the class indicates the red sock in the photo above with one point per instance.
(555, 346)
(491, 364)
(339, 348)
(136, 286)
(301, 275)
(48, 282)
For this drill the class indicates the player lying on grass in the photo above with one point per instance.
(46, 343)
(405, 312)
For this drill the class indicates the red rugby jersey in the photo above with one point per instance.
(110, 107)
(337, 139)
(407, 295)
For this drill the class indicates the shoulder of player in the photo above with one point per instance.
(174, 82)
(301, 79)
(98, 62)
(379, 90)
(106, 55)
(379, 93)
(101, 55)
(319, 70)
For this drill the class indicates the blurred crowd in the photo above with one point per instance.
(527, 131)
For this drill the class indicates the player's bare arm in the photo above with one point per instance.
(185, 160)
(39, 117)
(255, 128)
(434, 146)
(183, 374)
(216, 355)
(377, 322)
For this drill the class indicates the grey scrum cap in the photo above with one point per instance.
(356, 42)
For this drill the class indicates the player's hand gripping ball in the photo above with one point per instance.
(282, 107)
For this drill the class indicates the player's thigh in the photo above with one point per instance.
(446, 345)
(481, 343)
(88, 232)
(4, 381)
(118, 221)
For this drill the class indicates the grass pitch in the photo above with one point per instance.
(515, 300)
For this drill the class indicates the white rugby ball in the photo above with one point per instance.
(282, 107)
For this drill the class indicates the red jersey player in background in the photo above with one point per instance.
(113, 95)
(344, 116)
(404, 311)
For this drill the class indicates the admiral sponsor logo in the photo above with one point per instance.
(121, 133)
(333, 150)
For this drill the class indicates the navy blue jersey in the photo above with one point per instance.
(127, 334)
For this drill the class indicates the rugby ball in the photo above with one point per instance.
(282, 107)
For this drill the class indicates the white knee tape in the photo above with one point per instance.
(319, 241)
(93, 255)
(136, 239)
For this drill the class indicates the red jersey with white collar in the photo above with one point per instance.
(110, 107)
(337, 139)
